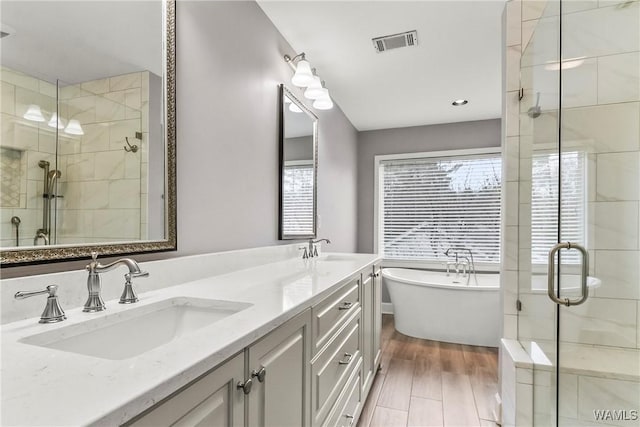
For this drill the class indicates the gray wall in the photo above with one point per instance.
(228, 126)
(229, 65)
(449, 136)
(300, 148)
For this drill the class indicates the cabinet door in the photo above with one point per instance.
(367, 329)
(377, 315)
(282, 398)
(212, 400)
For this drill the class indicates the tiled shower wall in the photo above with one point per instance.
(26, 143)
(103, 187)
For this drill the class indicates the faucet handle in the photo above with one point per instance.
(305, 255)
(52, 311)
(129, 296)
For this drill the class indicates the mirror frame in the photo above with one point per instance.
(284, 91)
(18, 257)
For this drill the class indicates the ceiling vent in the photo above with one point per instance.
(395, 41)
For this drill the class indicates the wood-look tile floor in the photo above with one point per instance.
(430, 383)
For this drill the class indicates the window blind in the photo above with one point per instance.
(431, 204)
(544, 204)
(297, 199)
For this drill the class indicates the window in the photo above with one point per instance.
(544, 204)
(429, 204)
(297, 201)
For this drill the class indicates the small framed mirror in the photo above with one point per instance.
(298, 168)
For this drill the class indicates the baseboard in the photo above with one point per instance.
(387, 308)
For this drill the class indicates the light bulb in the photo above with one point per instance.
(34, 114)
(303, 76)
(294, 108)
(74, 128)
(323, 103)
(314, 91)
(56, 122)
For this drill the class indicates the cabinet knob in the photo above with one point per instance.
(260, 374)
(345, 306)
(245, 386)
(346, 360)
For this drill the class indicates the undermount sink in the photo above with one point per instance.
(133, 332)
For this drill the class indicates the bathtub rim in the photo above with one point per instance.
(460, 287)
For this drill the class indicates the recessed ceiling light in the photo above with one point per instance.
(459, 102)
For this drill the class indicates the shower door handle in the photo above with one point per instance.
(583, 275)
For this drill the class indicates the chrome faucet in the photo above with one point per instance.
(468, 266)
(313, 249)
(94, 301)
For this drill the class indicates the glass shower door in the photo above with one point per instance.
(579, 183)
(598, 340)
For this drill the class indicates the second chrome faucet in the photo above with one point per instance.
(313, 249)
(94, 301)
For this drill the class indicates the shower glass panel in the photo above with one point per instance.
(103, 158)
(579, 180)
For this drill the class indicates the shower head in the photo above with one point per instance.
(535, 111)
(43, 164)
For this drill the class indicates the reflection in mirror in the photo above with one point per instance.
(298, 163)
(83, 154)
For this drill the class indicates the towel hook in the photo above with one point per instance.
(130, 148)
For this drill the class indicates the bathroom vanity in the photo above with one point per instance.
(289, 342)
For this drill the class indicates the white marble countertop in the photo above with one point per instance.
(43, 386)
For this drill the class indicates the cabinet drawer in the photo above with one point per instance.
(331, 368)
(330, 314)
(348, 405)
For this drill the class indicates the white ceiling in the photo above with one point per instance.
(458, 56)
(79, 41)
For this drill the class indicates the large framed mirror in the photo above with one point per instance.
(87, 155)
(298, 168)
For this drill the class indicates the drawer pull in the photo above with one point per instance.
(347, 359)
(350, 418)
(345, 306)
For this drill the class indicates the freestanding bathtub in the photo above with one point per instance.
(434, 306)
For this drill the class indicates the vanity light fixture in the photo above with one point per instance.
(307, 77)
(74, 128)
(323, 102)
(56, 122)
(314, 90)
(293, 107)
(34, 114)
(303, 75)
(459, 102)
